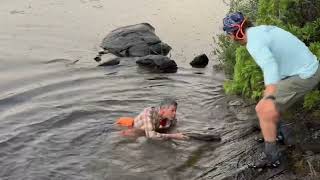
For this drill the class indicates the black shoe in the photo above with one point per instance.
(271, 156)
(266, 162)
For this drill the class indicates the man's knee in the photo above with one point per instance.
(260, 110)
(266, 116)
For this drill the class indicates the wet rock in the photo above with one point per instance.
(160, 49)
(200, 61)
(102, 52)
(97, 58)
(111, 62)
(67, 62)
(235, 103)
(242, 116)
(134, 41)
(240, 149)
(58, 61)
(158, 63)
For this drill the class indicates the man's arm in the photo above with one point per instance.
(163, 136)
(266, 61)
(258, 47)
(270, 90)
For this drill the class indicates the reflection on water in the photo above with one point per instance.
(57, 108)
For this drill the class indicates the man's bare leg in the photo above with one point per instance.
(268, 126)
(269, 129)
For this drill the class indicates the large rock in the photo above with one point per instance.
(239, 149)
(158, 63)
(134, 41)
(200, 61)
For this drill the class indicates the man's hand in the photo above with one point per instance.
(181, 136)
(266, 109)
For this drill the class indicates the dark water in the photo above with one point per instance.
(57, 108)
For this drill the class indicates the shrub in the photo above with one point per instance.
(312, 100)
(296, 16)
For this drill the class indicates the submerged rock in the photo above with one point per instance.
(235, 103)
(200, 61)
(134, 41)
(111, 62)
(158, 62)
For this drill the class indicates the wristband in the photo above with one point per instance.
(272, 97)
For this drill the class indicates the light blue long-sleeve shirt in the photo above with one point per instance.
(279, 54)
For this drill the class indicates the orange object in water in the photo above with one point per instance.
(125, 121)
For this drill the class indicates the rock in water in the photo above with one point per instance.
(158, 62)
(200, 61)
(111, 62)
(134, 41)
